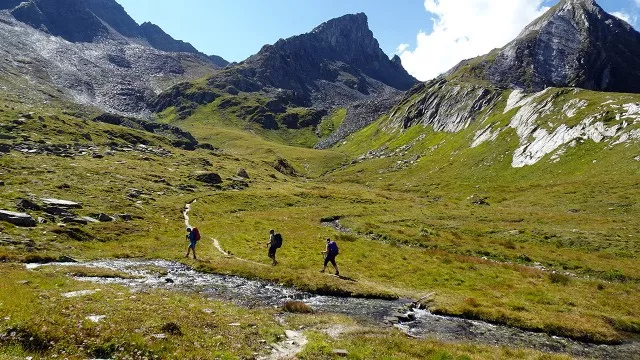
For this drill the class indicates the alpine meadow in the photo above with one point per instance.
(489, 213)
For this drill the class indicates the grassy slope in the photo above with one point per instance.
(417, 231)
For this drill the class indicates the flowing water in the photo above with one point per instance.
(164, 274)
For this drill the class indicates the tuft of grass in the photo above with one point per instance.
(558, 278)
(297, 307)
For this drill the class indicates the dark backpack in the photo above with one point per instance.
(333, 248)
(196, 233)
(277, 240)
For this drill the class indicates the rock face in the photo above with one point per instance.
(575, 44)
(339, 53)
(337, 64)
(98, 55)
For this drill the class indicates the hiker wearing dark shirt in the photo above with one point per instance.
(330, 253)
(191, 236)
(273, 246)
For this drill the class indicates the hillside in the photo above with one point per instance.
(475, 219)
(92, 53)
(297, 82)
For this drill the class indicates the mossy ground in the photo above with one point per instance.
(414, 230)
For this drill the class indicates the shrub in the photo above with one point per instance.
(297, 307)
(557, 278)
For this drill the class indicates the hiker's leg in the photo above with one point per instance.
(194, 252)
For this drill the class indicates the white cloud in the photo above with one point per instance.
(402, 47)
(637, 2)
(464, 29)
(631, 19)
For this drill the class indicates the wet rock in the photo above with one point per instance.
(18, 219)
(242, 173)
(390, 320)
(62, 203)
(67, 259)
(209, 178)
(169, 280)
(25, 204)
(5, 148)
(74, 220)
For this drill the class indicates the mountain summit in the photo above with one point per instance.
(575, 44)
(341, 52)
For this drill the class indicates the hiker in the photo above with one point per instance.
(193, 235)
(330, 254)
(275, 242)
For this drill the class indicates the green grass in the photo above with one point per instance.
(415, 231)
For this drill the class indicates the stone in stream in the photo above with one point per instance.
(5, 148)
(19, 219)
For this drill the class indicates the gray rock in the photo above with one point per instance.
(89, 219)
(74, 220)
(242, 173)
(134, 193)
(54, 210)
(209, 178)
(19, 219)
(125, 217)
(390, 320)
(42, 220)
(102, 217)
(1, 182)
(5, 148)
(25, 204)
(62, 203)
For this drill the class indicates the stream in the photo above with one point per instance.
(152, 274)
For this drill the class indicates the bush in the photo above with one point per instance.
(557, 278)
(297, 307)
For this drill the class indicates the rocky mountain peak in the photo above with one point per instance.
(575, 44)
(348, 34)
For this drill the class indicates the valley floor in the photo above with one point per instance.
(558, 256)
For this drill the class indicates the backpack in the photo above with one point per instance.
(333, 248)
(196, 233)
(277, 240)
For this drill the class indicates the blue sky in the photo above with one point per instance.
(236, 29)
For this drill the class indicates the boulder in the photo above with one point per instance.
(102, 217)
(62, 203)
(125, 217)
(5, 148)
(18, 219)
(209, 178)
(25, 204)
(340, 352)
(242, 173)
(74, 220)
(89, 219)
(54, 210)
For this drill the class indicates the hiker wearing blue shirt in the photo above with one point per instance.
(193, 239)
(330, 254)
